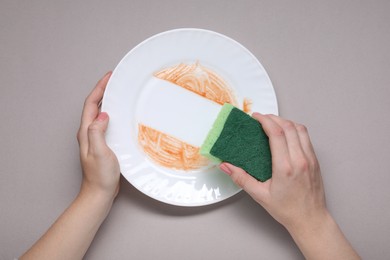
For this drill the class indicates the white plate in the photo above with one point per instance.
(233, 62)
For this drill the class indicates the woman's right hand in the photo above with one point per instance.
(294, 196)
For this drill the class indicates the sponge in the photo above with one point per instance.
(239, 139)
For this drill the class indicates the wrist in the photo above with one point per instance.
(96, 197)
(322, 238)
(313, 235)
(95, 190)
(311, 226)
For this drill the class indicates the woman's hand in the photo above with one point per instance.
(72, 233)
(294, 196)
(295, 192)
(100, 166)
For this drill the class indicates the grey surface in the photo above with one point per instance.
(330, 65)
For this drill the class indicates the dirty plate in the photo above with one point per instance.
(243, 73)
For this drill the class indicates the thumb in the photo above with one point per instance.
(96, 134)
(256, 189)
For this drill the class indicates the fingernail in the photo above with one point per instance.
(102, 116)
(256, 114)
(108, 74)
(225, 168)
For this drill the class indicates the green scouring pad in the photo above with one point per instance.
(239, 139)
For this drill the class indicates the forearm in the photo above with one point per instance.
(322, 240)
(71, 235)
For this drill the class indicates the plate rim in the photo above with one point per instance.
(178, 30)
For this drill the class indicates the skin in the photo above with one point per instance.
(72, 233)
(294, 195)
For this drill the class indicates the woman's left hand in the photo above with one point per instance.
(100, 166)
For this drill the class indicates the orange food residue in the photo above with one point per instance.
(199, 80)
(169, 151)
(247, 106)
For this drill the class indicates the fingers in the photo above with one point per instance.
(306, 143)
(304, 138)
(91, 108)
(254, 188)
(292, 137)
(289, 141)
(96, 134)
(277, 139)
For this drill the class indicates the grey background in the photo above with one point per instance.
(329, 62)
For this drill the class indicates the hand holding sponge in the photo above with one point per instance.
(239, 139)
